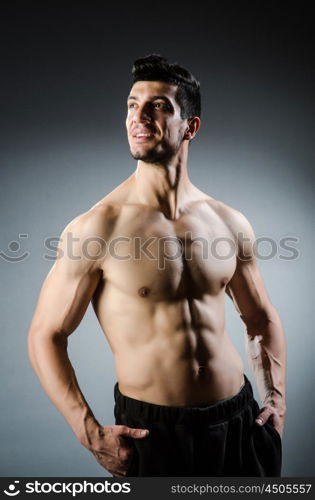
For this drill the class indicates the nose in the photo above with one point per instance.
(142, 114)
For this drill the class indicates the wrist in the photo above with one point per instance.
(277, 402)
(88, 432)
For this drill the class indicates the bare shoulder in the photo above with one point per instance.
(233, 218)
(88, 233)
(240, 228)
(236, 220)
(96, 221)
(82, 243)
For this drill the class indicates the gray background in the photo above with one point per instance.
(65, 77)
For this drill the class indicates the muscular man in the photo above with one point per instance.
(156, 257)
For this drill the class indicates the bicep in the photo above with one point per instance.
(246, 287)
(68, 287)
(248, 291)
(63, 300)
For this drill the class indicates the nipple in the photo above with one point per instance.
(144, 291)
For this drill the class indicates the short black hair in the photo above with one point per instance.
(156, 67)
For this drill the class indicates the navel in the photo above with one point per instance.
(201, 369)
(144, 291)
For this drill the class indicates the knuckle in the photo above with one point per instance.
(101, 432)
(126, 455)
(116, 431)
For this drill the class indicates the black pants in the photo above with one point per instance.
(220, 439)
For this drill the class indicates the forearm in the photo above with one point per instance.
(51, 363)
(266, 349)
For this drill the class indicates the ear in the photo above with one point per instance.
(192, 128)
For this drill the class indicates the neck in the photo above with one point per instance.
(165, 187)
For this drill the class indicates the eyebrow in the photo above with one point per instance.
(155, 97)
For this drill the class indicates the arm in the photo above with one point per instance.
(63, 300)
(265, 340)
(62, 303)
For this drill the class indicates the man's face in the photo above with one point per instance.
(154, 127)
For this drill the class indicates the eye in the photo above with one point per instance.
(162, 105)
(131, 105)
(159, 105)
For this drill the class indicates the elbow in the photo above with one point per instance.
(33, 338)
(31, 348)
(42, 332)
(40, 337)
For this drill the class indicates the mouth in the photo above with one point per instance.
(142, 134)
(143, 137)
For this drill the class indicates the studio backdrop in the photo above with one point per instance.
(66, 73)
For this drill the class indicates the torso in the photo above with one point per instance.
(164, 316)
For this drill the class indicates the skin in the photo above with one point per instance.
(163, 317)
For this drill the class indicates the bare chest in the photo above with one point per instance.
(151, 256)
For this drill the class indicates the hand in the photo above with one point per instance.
(111, 449)
(271, 414)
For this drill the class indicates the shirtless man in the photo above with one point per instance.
(183, 405)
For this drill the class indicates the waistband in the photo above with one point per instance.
(212, 413)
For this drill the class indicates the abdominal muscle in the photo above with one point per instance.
(163, 358)
(168, 380)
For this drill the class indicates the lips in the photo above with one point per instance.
(143, 135)
(139, 133)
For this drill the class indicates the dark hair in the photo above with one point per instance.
(155, 67)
